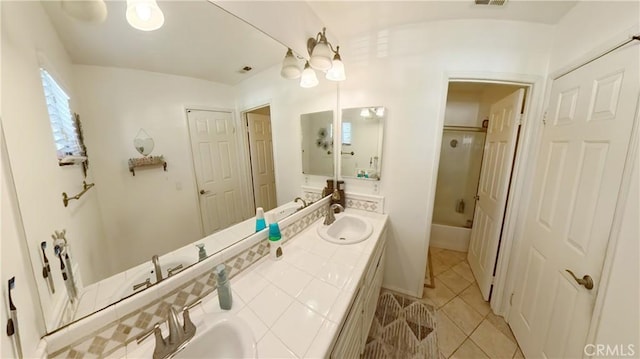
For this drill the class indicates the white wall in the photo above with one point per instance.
(153, 212)
(588, 26)
(39, 180)
(409, 81)
(463, 109)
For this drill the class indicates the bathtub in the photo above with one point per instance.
(450, 237)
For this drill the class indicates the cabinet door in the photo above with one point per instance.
(348, 344)
(371, 299)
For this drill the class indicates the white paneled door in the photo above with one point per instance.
(215, 159)
(495, 175)
(261, 149)
(575, 190)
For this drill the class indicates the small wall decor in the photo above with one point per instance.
(150, 161)
(143, 143)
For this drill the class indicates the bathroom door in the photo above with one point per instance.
(575, 192)
(495, 175)
(215, 160)
(261, 150)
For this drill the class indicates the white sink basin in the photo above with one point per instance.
(347, 229)
(226, 336)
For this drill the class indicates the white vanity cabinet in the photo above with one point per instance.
(353, 335)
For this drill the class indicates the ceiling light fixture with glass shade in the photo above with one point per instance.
(144, 15)
(322, 58)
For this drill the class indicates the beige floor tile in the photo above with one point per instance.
(453, 280)
(473, 297)
(469, 350)
(463, 315)
(518, 354)
(449, 335)
(502, 326)
(435, 250)
(449, 258)
(438, 266)
(464, 271)
(491, 340)
(439, 295)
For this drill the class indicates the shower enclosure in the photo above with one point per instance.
(458, 177)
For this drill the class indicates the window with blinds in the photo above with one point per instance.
(63, 124)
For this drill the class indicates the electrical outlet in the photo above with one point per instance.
(376, 189)
(306, 179)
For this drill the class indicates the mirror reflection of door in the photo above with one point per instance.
(261, 157)
(215, 161)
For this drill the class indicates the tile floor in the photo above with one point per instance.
(465, 325)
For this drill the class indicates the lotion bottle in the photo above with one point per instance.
(224, 289)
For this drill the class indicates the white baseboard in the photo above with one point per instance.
(448, 237)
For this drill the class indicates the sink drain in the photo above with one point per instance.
(343, 239)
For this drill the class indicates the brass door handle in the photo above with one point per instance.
(586, 281)
(203, 191)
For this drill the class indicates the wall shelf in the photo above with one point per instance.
(145, 162)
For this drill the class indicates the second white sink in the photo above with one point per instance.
(227, 336)
(347, 229)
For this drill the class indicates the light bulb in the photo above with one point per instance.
(321, 56)
(144, 15)
(290, 69)
(143, 11)
(308, 78)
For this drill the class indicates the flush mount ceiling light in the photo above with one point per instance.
(322, 58)
(144, 15)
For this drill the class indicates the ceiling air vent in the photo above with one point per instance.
(490, 2)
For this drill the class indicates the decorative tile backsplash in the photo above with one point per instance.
(365, 202)
(111, 338)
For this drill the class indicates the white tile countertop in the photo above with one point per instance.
(295, 306)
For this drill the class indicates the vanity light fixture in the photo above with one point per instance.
(369, 112)
(308, 78)
(290, 68)
(322, 58)
(144, 15)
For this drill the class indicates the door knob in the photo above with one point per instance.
(586, 281)
(203, 191)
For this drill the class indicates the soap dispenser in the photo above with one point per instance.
(224, 289)
(275, 241)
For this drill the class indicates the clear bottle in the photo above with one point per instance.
(224, 289)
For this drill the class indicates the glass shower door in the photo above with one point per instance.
(458, 176)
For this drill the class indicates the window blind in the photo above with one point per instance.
(63, 125)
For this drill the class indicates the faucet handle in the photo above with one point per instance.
(337, 205)
(171, 271)
(155, 330)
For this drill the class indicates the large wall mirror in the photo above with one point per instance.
(317, 143)
(362, 133)
(175, 83)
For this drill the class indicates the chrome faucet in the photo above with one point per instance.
(330, 218)
(179, 335)
(156, 267)
(304, 203)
